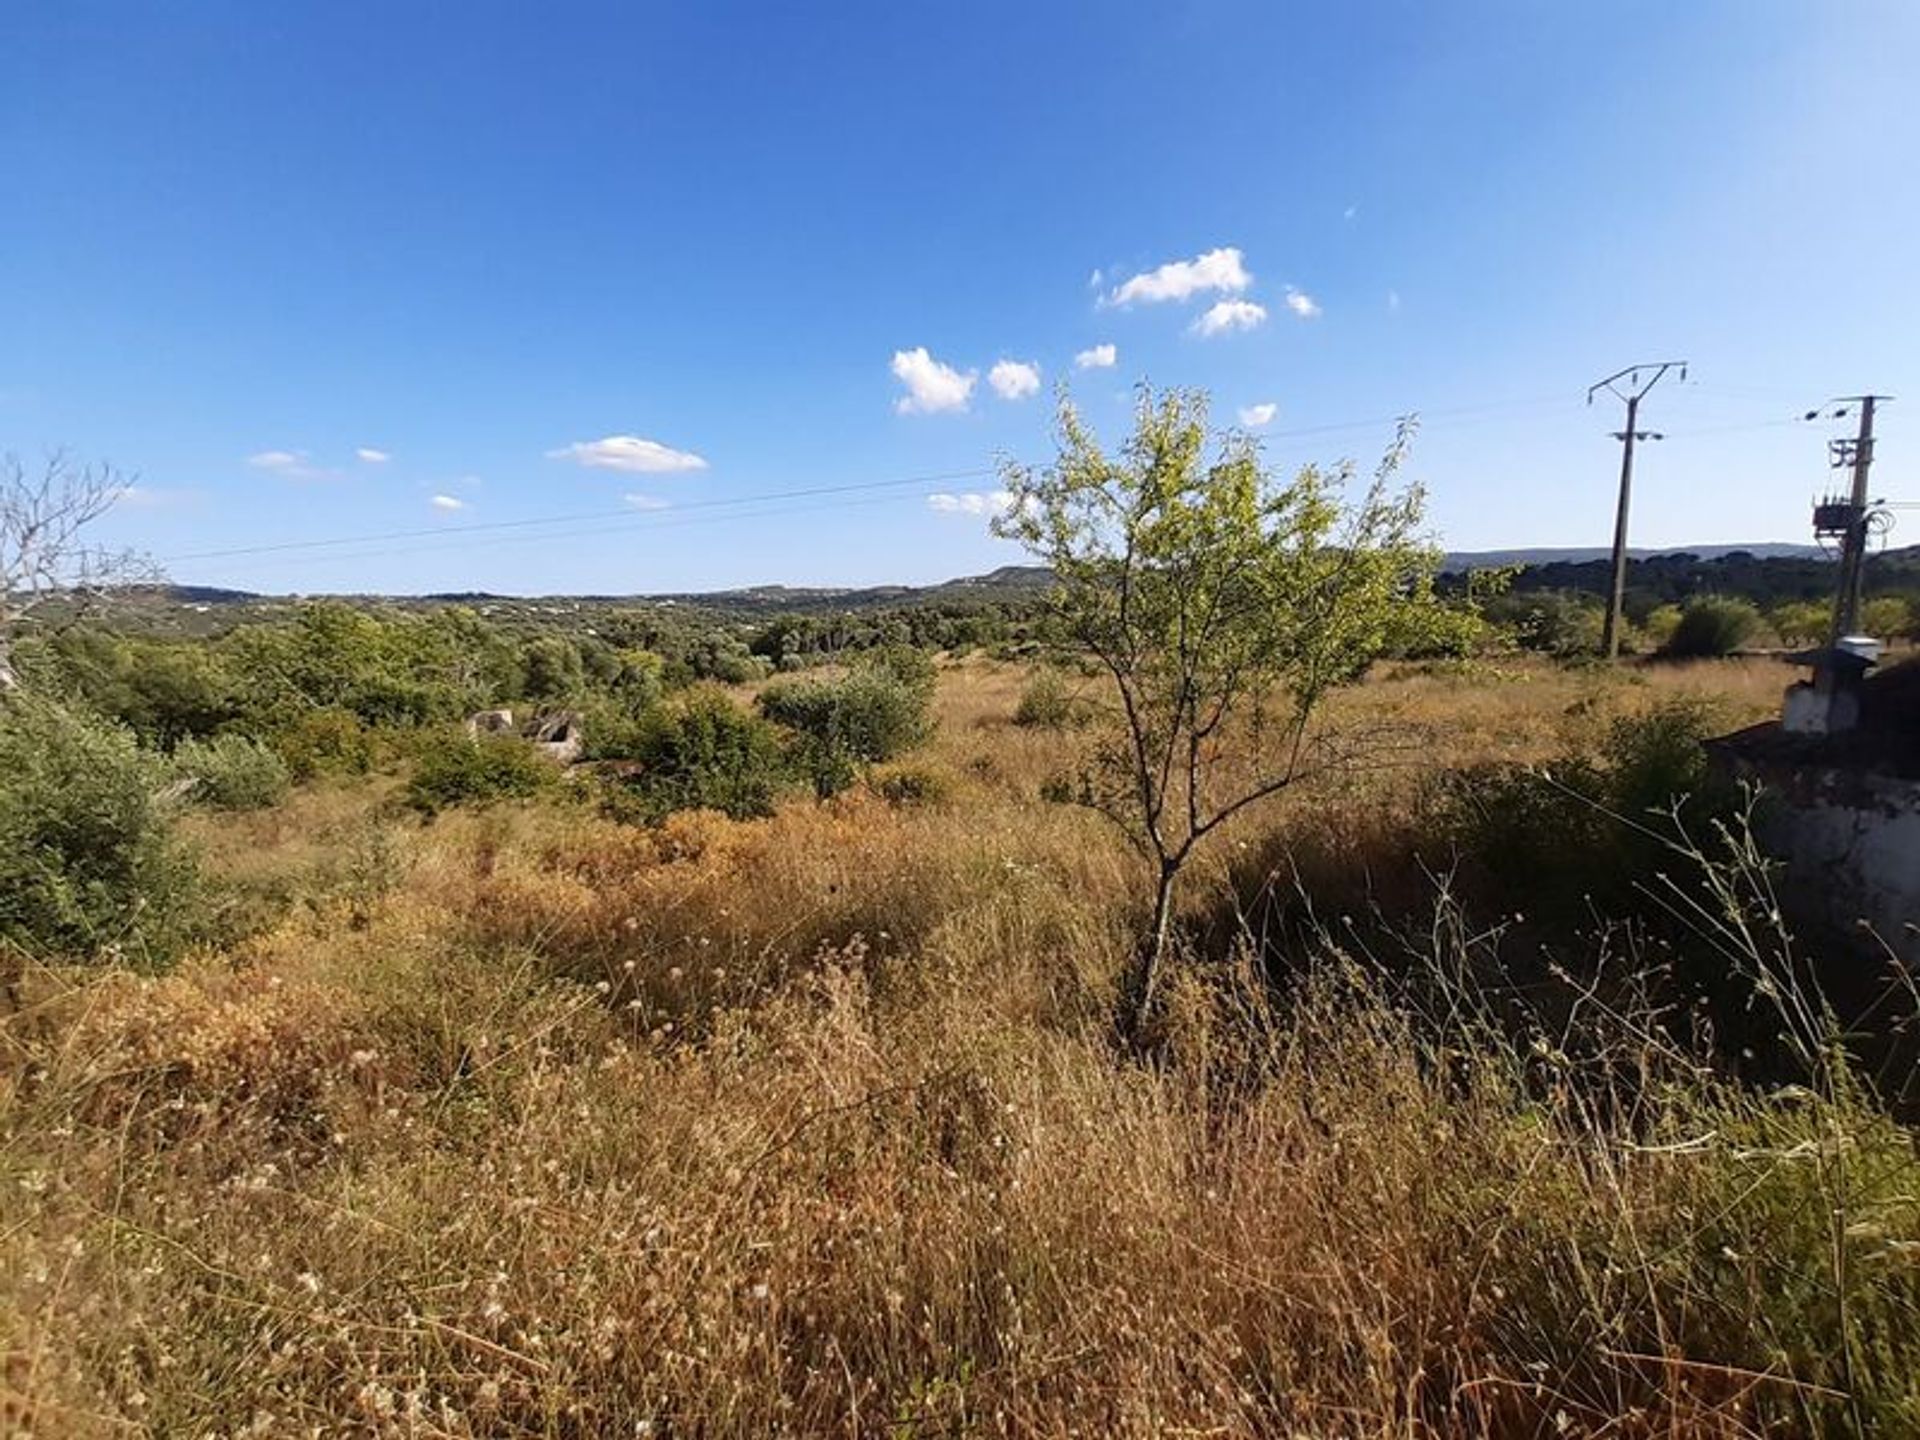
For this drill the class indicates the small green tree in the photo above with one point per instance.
(1223, 604)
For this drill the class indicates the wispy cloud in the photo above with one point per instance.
(1254, 416)
(290, 464)
(367, 455)
(145, 497)
(931, 386)
(1228, 316)
(1221, 270)
(971, 502)
(1097, 357)
(1302, 304)
(630, 454)
(646, 502)
(447, 502)
(1014, 379)
(1393, 300)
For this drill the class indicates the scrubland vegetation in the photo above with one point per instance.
(526, 1120)
(832, 1052)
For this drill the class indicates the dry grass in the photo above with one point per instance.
(529, 1124)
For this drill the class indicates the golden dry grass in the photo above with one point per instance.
(528, 1124)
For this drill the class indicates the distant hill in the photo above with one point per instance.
(1580, 554)
(1766, 572)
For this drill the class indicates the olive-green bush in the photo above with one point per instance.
(701, 751)
(452, 767)
(89, 867)
(232, 772)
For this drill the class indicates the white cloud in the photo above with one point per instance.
(1220, 269)
(1097, 357)
(631, 454)
(1228, 316)
(447, 502)
(293, 464)
(145, 497)
(931, 386)
(1393, 300)
(1302, 304)
(367, 455)
(972, 502)
(1014, 379)
(1350, 212)
(646, 502)
(1254, 416)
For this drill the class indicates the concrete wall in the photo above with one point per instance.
(1851, 841)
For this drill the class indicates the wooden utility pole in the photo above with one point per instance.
(1632, 393)
(1853, 542)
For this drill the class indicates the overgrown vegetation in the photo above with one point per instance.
(454, 768)
(89, 866)
(530, 1108)
(760, 1075)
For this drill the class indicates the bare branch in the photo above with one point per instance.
(44, 555)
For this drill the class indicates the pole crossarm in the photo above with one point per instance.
(1636, 387)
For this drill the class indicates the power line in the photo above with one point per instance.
(443, 538)
(627, 512)
(656, 520)
(579, 517)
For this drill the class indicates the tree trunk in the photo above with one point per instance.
(8, 680)
(1144, 984)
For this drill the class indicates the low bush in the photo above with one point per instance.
(1713, 625)
(1047, 702)
(912, 785)
(232, 772)
(452, 767)
(1889, 617)
(1557, 839)
(1657, 629)
(325, 742)
(89, 867)
(1801, 622)
(843, 722)
(1551, 621)
(700, 751)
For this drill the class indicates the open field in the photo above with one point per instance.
(525, 1122)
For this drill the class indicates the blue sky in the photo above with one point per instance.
(243, 244)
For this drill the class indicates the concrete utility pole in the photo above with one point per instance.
(1853, 541)
(1632, 393)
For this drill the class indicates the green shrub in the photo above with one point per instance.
(1891, 617)
(1554, 622)
(1048, 703)
(325, 742)
(702, 751)
(1801, 622)
(1660, 624)
(1713, 625)
(843, 722)
(1587, 829)
(88, 864)
(912, 785)
(232, 772)
(454, 768)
